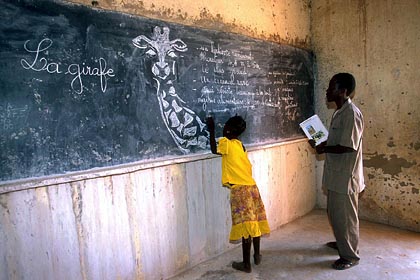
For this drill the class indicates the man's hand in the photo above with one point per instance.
(320, 149)
(312, 143)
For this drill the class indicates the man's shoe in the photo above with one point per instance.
(342, 264)
(242, 267)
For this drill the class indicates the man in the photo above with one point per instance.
(343, 170)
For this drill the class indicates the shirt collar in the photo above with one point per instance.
(345, 105)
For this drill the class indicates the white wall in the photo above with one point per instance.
(142, 222)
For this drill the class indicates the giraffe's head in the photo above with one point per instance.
(160, 46)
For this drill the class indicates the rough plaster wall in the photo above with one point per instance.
(273, 20)
(379, 42)
(146, 224)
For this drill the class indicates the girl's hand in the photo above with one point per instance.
(210, 126)
(210, 123)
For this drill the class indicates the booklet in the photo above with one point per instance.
(314, 129)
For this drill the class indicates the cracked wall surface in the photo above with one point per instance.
(377, 41)
(272, 20)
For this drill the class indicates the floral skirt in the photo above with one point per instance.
(248, 213)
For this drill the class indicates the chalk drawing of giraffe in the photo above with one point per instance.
(185, 127)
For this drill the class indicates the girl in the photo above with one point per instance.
(249, 221)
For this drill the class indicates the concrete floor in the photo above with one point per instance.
(297, 251)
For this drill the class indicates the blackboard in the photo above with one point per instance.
(83, 88)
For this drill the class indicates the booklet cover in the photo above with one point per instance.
(314, 129)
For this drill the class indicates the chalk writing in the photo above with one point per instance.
(9, 114)
(226, 79)
(40, 62)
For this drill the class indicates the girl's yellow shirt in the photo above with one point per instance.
(236, 167)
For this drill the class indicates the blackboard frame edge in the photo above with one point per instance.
(100, 172)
